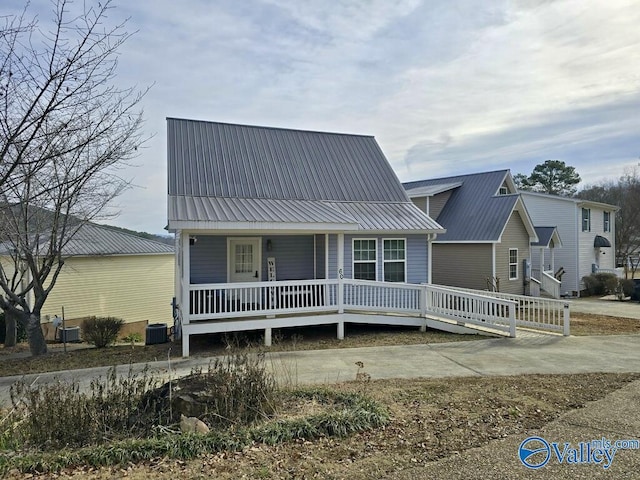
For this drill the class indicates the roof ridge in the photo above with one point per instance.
(264, 127)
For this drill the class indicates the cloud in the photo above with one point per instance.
(446, 87)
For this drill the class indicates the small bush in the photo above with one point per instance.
(62, 414)
(101, 331)
(22, 332)
(600, 283)
(625, 288)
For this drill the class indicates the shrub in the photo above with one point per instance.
(600, 283)
(62, 414)
(235, 390)
(101, 331)
(625, 288)
(22, 333)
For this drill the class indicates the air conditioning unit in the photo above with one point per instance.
(156, 333)
(69, 334)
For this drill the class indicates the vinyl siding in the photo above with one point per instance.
(416, 252)
(320, 256)
(466, 265)
(293, 254)
(588, 255)
(558, 212)
(514, 236)
(437, 203)
(134, 288)
(208, 259)
(421, 203)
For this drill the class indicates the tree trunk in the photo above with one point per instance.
(37, 343)
(11, 329)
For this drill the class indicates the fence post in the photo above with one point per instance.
(567, 320)
(512, 320)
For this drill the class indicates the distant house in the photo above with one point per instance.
(108, 272)
(587, 230)
(489, 232)
(268, 220)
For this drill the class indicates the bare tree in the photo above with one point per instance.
(624, 193)
(65, 131)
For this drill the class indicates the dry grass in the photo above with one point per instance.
(431, 419)
(15, 361)
(591, 324)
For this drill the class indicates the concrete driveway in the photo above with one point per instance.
(608, 305)
(499, 356)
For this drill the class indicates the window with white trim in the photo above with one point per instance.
(607, 221)
(395, 260)
(513, 264)
(586, 220)
(364, 259)
(503, 191)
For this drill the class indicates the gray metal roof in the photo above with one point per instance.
(213, 209)
(94, 239)
(430, 190)
(545, 235)
(473, 213)
(210, 159)
(388, 216)
(223, 173)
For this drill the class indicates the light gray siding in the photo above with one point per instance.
(515, 236)
(466, 265)
(561, 213)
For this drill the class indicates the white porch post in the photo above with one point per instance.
(542, 270)
(267, 337)
(566, 320)
(185, 297)
(553, 260)
(340, 283)
(430, 239)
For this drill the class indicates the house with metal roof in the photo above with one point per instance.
(280, 228)
(108, 272)
(487, 245)
(587, 230)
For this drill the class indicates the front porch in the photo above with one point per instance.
(217, 308)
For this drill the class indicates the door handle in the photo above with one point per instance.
(256, 275)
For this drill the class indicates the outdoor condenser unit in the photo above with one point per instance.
(156, 333)
(69, 334)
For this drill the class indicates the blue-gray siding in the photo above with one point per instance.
(416, 263)
(293, 254)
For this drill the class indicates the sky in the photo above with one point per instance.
(446, 87)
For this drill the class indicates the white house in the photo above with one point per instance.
(587, 230)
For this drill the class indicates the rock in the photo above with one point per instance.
(193, 425)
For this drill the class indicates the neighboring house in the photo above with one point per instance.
(111, 273)
(489, 232)
(269, 220)
(587, 230)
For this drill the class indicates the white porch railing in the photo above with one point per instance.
(550, 284)
(238, 300)
(234, 300)
(536, 312)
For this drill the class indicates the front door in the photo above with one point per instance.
(245, 260)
